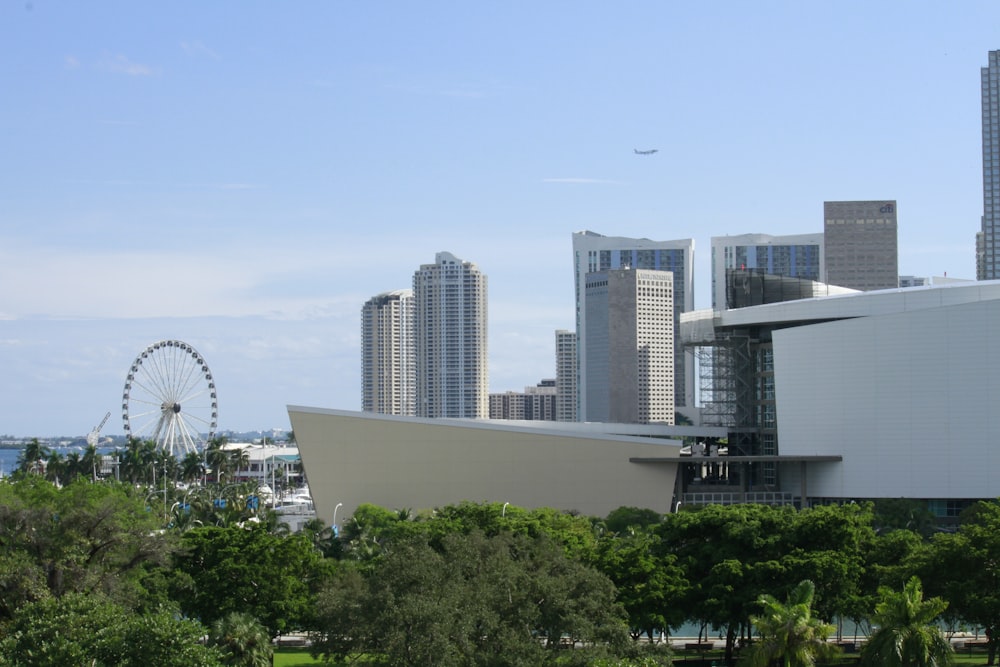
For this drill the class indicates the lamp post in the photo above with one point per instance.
(339, 505)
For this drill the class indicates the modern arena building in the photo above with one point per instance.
(857, 396)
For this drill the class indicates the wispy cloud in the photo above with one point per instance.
(71, 62)
(583, 181)
(198, 49)
(122, 65)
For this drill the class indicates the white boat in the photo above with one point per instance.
(295, 508)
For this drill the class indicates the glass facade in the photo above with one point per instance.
(796, 256)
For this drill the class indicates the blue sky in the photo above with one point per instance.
(242, 176)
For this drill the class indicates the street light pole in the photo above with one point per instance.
(339, 505)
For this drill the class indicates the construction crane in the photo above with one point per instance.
(92, 437)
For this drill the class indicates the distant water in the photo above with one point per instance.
(8, 457)
(8, 460)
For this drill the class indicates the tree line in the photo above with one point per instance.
(139, 462)
(465, 584)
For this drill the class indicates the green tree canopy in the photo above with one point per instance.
(964, 568)
(472, 600)
(81, 538)
(622, 519)
(88, 629)
(248, 569)
(650, 584)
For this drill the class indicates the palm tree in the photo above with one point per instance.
(906, 635)
(138, 459)
(238, 459)
(321, 535)
(217, 458)
(242, 640)
(72, 466)
(788, 631)
(192, 467)
(55, 466)
(32, 458)
(90, 462)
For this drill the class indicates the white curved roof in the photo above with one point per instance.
(861, 304)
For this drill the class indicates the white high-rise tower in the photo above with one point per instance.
(450, 327)
(388, 359)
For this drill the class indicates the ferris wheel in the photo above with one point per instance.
(169, 398)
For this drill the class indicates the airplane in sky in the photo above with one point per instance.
(649, 152)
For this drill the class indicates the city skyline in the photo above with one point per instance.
(166, 176)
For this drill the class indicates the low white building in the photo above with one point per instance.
(278, 465)
(891, 393)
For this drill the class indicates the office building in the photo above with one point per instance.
(536, 403)
(988, 241)
(451, 346)
(794, 256)
(566, 376)
(595, 252)
(861, 250)
(388, 359)
(629, 349)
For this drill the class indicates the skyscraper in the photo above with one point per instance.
(450, 330)
(595, 252)
(795, 256)
(566, 376)
(861, 245)
(388, 363)
(629, 351)
(988, 240)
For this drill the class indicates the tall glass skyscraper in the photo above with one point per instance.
(988, 240)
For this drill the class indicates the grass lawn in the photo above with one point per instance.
(299, 657)
(294, 657)
(963, 658)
